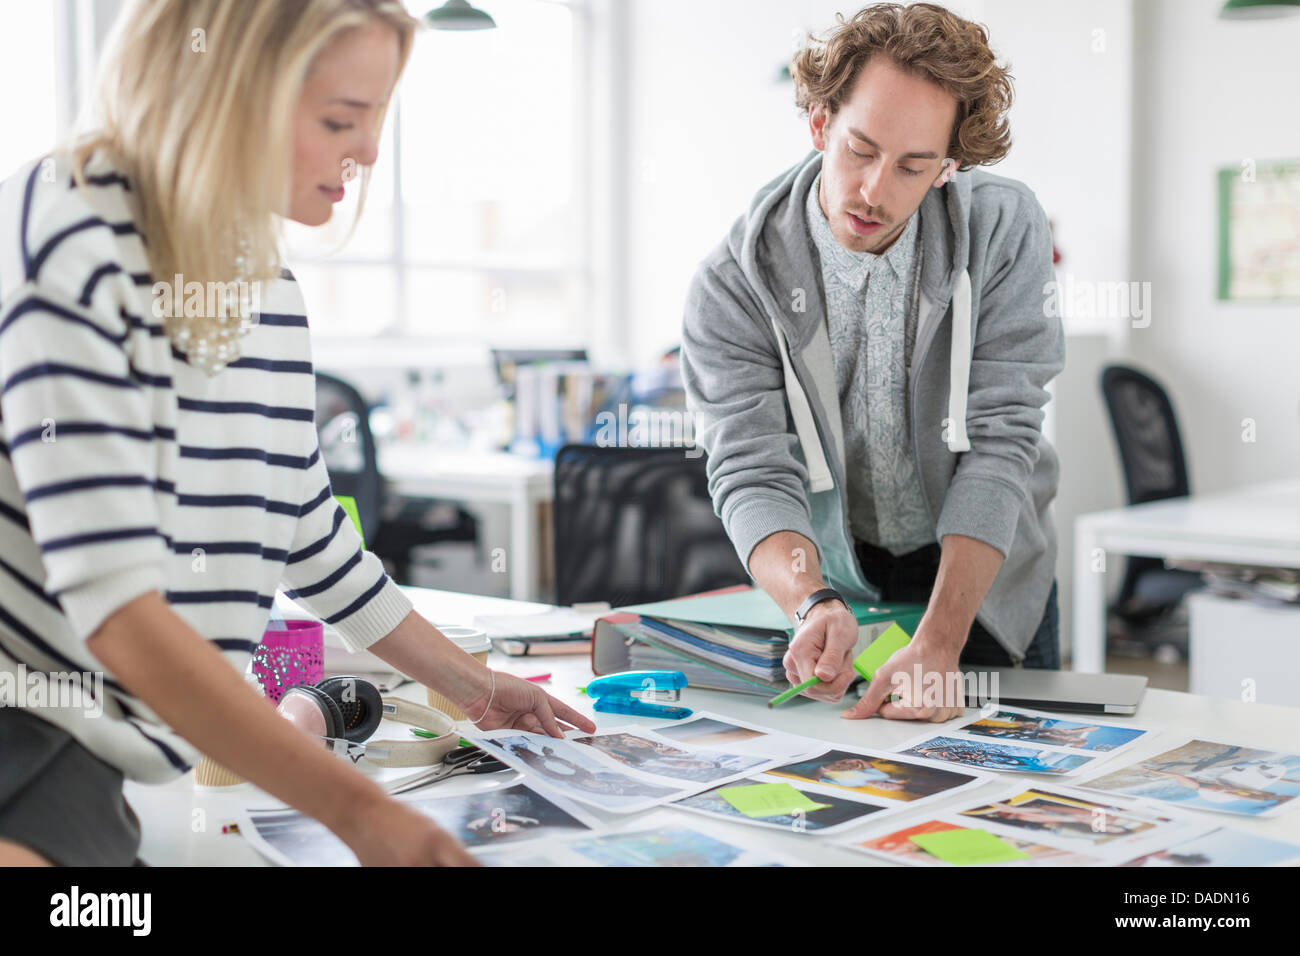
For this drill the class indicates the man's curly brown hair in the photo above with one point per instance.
(927, 41)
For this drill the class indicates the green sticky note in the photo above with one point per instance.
(869, 661)
(769, 800)
(349, 505)
(967, 847)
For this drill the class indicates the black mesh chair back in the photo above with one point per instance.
(635, 525)
(343, 423)
(1151, 453)
(1146, 431)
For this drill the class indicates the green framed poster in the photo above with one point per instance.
(1259, 232)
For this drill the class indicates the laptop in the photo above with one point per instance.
(1069, 691)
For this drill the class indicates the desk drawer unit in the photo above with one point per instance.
(1239, 648)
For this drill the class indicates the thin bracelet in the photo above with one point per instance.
(490, 696)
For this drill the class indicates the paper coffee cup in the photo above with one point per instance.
(209, 773)
(471, 640)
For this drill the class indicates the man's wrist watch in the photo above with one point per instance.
(812, 600)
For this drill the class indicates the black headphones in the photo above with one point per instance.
(349, 709)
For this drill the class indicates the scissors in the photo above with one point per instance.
(465, 760)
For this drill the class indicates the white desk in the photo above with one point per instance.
(173, 834)
(1258, 524)
(426, 471)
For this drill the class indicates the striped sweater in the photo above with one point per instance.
(124, 470)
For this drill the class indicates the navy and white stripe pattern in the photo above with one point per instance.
(124, 470)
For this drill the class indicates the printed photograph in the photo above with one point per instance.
(493, 817)
(664, 760)
(1221, 847)
(1053, 731)
(840, 812)
(676, 847)
(1049, 813)
(297, 840)
(900, 847)
(710, 732)
(1204, 775)
(885, 777)
(997, 756)
(563, 765)
(479, 820)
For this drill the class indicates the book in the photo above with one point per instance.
(544, 648)
(553, 630)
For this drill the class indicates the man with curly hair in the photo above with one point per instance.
(867, 354)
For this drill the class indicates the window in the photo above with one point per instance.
(28, 84)
(475, 225)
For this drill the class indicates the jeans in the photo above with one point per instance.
(910, 577)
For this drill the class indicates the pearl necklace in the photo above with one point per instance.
(211, 342)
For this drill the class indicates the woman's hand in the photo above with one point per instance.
(387, 832)
(490, 699)
(516, 704)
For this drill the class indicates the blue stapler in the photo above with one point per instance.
(639, 693)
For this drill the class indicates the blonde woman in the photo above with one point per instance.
(160, 472)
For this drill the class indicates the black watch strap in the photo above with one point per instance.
(812, 600)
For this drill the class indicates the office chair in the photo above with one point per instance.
(392, 527)
(348, 447)
(1155, 468)
(635, 525)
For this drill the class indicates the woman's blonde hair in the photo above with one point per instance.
(196, 100)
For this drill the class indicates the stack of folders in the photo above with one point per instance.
(738, 656)
(734, 639)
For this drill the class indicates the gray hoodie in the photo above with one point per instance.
(760, 383)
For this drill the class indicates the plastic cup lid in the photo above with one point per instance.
(471, 639)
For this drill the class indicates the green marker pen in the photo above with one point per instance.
(429, 734)
(866, 663)
(782, 697)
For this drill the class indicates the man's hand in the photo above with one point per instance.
(938, 696)
(824, 647)
(517, 704)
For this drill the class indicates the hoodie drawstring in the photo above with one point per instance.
(819, 472)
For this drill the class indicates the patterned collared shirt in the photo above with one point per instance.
(871, 306)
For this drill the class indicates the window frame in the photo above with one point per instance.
(398, 336)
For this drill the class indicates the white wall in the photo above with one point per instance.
(1213, 93)
(710, 123)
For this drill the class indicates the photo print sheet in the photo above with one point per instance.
(1221, 847)
(1074, 820)
(900, 847)
(665, 846)
(815, 812)
(878, 777)
(1015, 740)
(482, 820)
(715, 732)
(1207, 775)
(622, 769)
(1048, 828)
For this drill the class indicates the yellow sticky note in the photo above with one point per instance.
(349, 504)
(967, 847)
(879, 651)
(769, 800)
